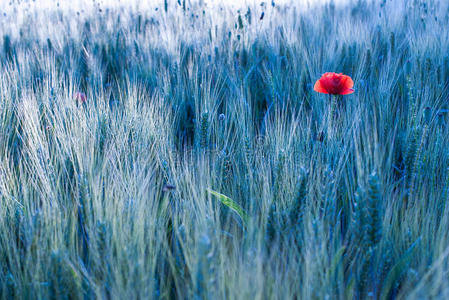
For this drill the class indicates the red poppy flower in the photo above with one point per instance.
(80, 97)
(335, 84)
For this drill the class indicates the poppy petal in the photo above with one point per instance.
(347, 92)
(319, 88)
(349, 83)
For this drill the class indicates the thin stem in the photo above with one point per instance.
(330, 121)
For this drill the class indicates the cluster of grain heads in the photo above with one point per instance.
(187, 129)
(279, 171)
(367, 218)
(203, 131)
(410, 154)
(397, 272)
(174, 263)
(223, 165)
(392, 43)
(102, 136)
(64, 280)
(83, 213)
(114, 58)
(19, 239)
(205, 254)
(446, 70)
(414, 155)
(205, 277)
(296, 210)
(101, 254)
(374, 212)
(284, 224)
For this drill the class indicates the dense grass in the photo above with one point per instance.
(117, 197)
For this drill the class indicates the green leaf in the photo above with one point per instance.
(231, 204)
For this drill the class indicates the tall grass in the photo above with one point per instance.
(203, 166)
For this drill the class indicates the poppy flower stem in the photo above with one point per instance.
(330, 121)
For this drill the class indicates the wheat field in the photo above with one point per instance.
(179, 151)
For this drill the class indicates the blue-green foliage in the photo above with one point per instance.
(204, 166)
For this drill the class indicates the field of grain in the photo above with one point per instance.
(179, 151)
